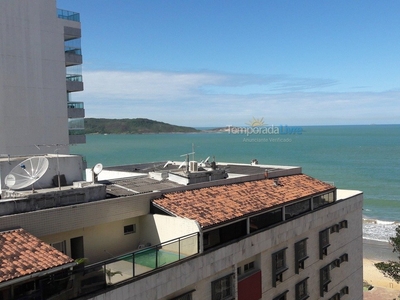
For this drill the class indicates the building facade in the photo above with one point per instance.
(217, 232)
(40, 57)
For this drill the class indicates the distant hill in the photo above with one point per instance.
(139, 125)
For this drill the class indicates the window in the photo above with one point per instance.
(325, 279)
(278, 266)
(222, 289)
(343, 224)
(248, 267)
(301, 290)
(130, 229)
(344, 257)
(300, 249)
(60, 246)
(239, 271)
(296, 209)
(344, 291)
(323, 243)
(265, 220)
(281, 296)
(322, 200)
(186, 296)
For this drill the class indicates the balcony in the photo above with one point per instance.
(75, 139)
(76, 110)
(73, 56)
(74, 83)
(68, 15)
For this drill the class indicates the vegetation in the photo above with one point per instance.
(129, 126)
(391, 269)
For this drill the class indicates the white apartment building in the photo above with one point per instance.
(40, 60)
(157, 231)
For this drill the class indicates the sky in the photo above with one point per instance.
(212, 63)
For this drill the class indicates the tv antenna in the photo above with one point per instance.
(96, 170)
(27, 173)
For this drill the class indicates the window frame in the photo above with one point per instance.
(303, 284)
(344, 291)
(323, 242)
(282, 296)
(324, 282)
(299, 260)
(127, 229)
(344, 258)
(185, 296)
(215, 295)
(277, 273)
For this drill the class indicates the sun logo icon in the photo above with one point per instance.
(256, 122)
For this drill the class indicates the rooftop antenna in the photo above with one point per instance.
(96, 170)
(27, 173)
(186, 161)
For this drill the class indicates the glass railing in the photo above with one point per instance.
(72, 77)
(71, 50)
(113, 271)
(68, 15)
(71, 104)
(76, 124)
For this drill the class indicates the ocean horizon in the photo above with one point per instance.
(355, 157)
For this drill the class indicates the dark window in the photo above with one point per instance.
(325, 279)
(300, 249)
(239, 271)
(296, 209)
(278, 266)
(344, 291)
(323, 243)
(344, 257)
(222, 289)
(343, 224)
(248, 267)
(323, 199)
(130, 229)
(282, 296)
(301, 290)
(186, 296)
(265, 220)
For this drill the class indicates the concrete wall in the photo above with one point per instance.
(160, 229)
(32, 78)
(69, 165)
(102, 241)
(199, 272)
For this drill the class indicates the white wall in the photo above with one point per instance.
(32, 78)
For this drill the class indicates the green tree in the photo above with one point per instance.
(391, 269)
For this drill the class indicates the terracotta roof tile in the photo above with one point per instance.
(22, 254)
(213, 205)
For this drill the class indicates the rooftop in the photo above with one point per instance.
(23, 254)
(217, 204)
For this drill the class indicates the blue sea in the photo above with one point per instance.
(365, 157)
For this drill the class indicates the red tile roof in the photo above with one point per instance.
(23, 254)
(217, 204)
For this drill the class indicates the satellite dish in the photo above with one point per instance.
(96, 171)
(97, 168)
(27, 172)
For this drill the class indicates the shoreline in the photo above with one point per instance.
(373, 252)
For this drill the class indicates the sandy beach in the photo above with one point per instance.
(374, 252)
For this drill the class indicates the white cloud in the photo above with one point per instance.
(218, 99)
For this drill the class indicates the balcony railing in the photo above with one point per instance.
(98, 277)
(72, 104)
(73, 77)
(68, 15)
